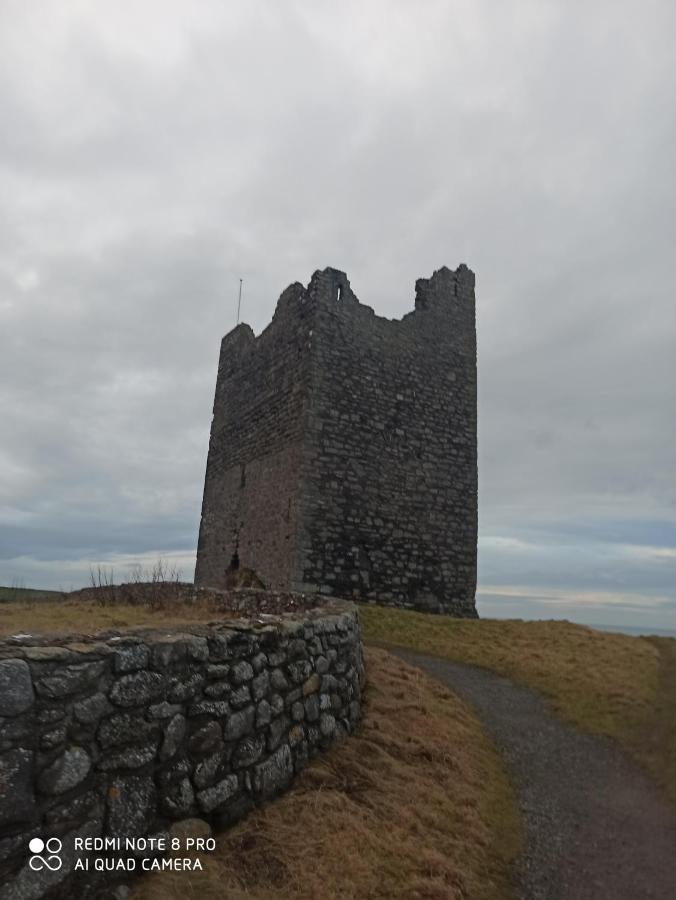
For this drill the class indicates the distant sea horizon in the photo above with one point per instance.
(529, 609)
(636, 630)
(522, 615)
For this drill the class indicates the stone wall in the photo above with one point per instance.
(254, 466)
(121, 735)
(362, 442)
(390, 475)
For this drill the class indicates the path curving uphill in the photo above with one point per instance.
(595, 827)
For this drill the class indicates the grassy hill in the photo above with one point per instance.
(73, 615)
(612, 684)
(17, 594)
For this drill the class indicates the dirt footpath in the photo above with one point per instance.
(595, 826)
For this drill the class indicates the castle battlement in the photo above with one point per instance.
(342, 455)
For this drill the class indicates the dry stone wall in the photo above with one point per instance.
(125, 734)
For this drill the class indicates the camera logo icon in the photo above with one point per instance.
(51, 848)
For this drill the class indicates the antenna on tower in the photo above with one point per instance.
(239, 300)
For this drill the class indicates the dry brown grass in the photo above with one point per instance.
(415, 806)
(611, 684)
(78, 616)
(659, 742)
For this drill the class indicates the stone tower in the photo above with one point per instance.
(343, 451)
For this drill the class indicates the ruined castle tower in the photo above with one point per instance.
(343, 453)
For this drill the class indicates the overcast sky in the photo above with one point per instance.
(152, 153)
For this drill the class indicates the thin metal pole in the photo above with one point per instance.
(239, 300)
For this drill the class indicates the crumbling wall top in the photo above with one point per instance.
(446, 291)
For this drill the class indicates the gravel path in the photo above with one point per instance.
(595, 827)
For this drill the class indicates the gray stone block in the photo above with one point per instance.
(141, 687)
(327, 724)
(239, 724)
(129, 758)
(177, 800)
(273, 775)
(16, 687)
(260, 686)
(66, 772)
(240, 696)
(131, 657)
(248, 751)
(263, 714)
(17, 797)
(205, 771)
(91, 709)
(182, 689)
(70, 679)
(125, 728)
(206, 740)
(241, 672)
(131, 805)
(211, 798)
(173, 737)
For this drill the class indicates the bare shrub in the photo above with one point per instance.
(155, 586)
(103, 582)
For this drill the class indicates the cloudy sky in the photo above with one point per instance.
(152, 153)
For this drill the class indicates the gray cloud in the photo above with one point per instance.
(151, 157)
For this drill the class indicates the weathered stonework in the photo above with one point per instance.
(343, 453)
(124, 735)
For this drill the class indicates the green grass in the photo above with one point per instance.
(611, 684)
(17, 594)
